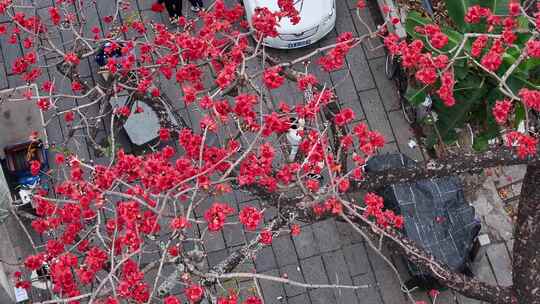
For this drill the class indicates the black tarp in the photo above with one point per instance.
(437, 217)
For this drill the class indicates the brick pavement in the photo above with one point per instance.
(325, 252)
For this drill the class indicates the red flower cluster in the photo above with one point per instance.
(531, 98)
(72, 58)
(525, 144)
(493, 59)
(274, 123)
(54, 15)
(179, 223)
(475, 14)
(533, 48)
(157, 7)
(215, 215)
(335, 58)
(501, 109)
(272, 79)
(369, 141)
(194, 293)
(344, 117)
(436, 37)
(305, 81)
(35, 166)
(288, 10)
(478, 45)
(131, 284)
(446, 90)
(265, 22)
(361, 4)
(427, 75)
(232, 298)
(171, 300)
(374, 208)
(250, 217)
(44, 104)
(266, 237)
(253, 300)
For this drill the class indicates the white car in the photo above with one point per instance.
(317, 19)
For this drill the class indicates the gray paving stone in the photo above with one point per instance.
(359, 67)
(346, 92)
(10, 51)
(265, 259)
(305, 243)
(447, 296)
(300, 299)
(3, 77)
(216, 257)
(368, 295)
(213, 241)
(326, 235)
(499, 259)
(313, 270)
(322, 296)
(233, 234)
(347, 234)
(389, 147)
(344, 22)
(284, 250)
(403, 134)
(372, 46)
(375, 113)
(293, 272)
(338, 273)
(272, 291)
(387, 279)
(356, 258)
(387, 87)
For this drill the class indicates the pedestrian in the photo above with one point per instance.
(174, 8)
(196, 5)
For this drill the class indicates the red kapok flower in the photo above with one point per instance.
(164, 134)
(35, 166)
(533, 48)
(531, 98)
(250, 217)
(72, 58)
(501, 109)
(171, 300)
(295, 229)
(253, 300)
(157, 7)
(265, 22)
(272, 79)
(180, 222)
(194, 293)
(69, 116)
(361, 4)
(215, 215)
(266, 237)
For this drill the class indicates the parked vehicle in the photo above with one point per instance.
(317, 19)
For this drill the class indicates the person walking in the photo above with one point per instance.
(174, 8)
(196, 5)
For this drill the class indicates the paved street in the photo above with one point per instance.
(326, 252)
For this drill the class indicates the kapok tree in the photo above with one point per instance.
(123, 230)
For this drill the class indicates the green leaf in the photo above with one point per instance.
(416, 96)
(519, 114)
(457, 10)
(480, 143)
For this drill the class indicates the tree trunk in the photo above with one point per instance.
(526, 268)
